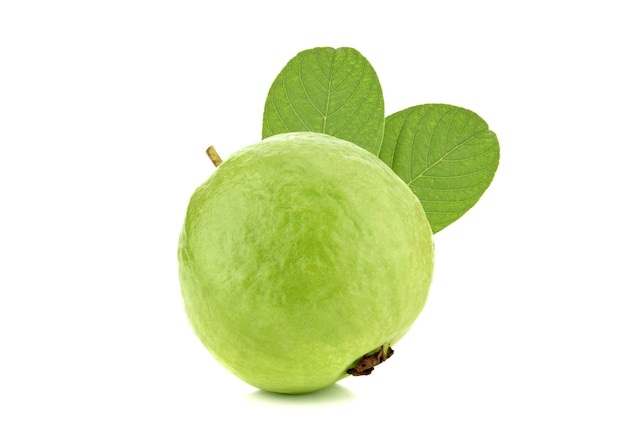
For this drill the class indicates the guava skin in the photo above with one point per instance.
(300, 254)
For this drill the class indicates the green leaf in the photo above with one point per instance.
(446, 154)
(327, 90)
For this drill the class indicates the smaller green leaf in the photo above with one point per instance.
(327, 90)
(447, 155)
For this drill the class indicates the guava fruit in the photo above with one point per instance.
(303, 259)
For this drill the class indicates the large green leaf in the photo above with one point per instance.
(327, 90)
(446, 154)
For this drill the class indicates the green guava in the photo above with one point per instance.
(302, 259)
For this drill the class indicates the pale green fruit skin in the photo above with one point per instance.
(299, 255)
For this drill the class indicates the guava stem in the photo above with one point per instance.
(213, 156)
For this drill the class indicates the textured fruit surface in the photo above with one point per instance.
(299, 255)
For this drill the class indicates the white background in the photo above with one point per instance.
(106, 109)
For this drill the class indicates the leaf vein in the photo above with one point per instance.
(442, 158)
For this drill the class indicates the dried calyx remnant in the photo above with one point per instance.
(367, 363)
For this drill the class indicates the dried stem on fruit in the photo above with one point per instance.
(214, 156)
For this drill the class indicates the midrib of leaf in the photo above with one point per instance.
(354, 115)
(326, 113)
(369, 95)
(441, 159)
(330, 84)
